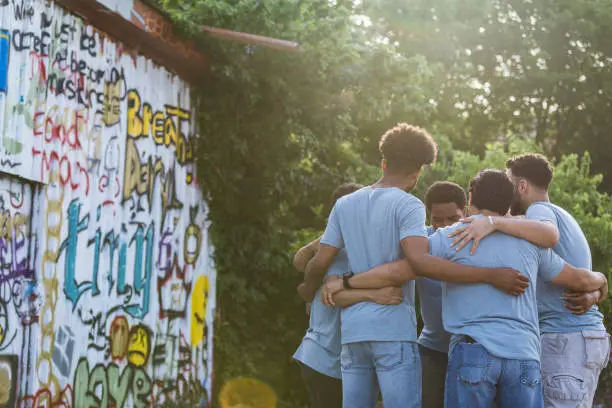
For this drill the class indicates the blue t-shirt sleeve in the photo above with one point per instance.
(439, 244)
(541, 212)
(411, 214)
(333, 235)
(550, 265)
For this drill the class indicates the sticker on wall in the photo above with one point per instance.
(5, 49)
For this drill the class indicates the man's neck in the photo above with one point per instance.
(539, 197)
(389, 181)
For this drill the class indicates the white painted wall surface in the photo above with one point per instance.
(106, 279)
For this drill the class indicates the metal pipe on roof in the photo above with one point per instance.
(252, 39)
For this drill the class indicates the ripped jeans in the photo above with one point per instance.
(476, 379)
(571, 365)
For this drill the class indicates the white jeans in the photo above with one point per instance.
(571, 365)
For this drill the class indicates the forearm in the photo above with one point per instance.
(588, 281)
(305, 254)
(313, 277)
(390, 274)
(346, 298)
(543, 234)
(447, 271)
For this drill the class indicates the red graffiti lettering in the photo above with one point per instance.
(57, 128)
(71, 172)
(44, 399)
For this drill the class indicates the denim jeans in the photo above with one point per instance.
(433, 366)
(571, 365)
(476, 379)
(394, 367)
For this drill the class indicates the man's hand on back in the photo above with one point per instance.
(388, 296)
(332, 285)
(581, 302)
(474, 230)
(509, 280)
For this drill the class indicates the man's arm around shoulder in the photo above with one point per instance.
(416, 250)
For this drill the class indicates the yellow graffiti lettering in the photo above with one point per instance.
(134, 119)
(147, 116)
(139, 177)
(199, 301)
(163, 127)
(169, 133)
(53, 223)
(158, 128)
(11, 224)
(112, 101)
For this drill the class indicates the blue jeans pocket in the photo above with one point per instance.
(388, 354)
(531, 375)
(475, 363)
(472, 375)
(346, 358)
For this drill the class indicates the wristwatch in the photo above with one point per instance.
(345, 279)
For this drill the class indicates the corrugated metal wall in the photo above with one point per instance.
(106, 279)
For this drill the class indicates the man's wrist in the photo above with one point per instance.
(494, 221)
(346, 284)
(490, 275)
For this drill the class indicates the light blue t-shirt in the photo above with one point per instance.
(320, 348)
(573, 247)
(433, 335)
(369, 224)
(505, 325)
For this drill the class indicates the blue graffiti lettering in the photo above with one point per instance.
(142, 241)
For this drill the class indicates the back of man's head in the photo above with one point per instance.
(406, 149)
(445, 192)
(491, 190)
(532, 167)
(344, 189)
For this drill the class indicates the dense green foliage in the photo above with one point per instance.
(279, 131)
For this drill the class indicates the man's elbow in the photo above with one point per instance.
(552, 239)
(549, 237)
(299, 262)
(402, 272)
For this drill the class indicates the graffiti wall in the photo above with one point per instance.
(106, 279)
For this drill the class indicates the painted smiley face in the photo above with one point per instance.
(139, 346)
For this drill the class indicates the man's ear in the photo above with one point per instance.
(383, 164)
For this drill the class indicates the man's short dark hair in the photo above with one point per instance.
(407, 148)
(345, 189)
(533, 167)
(443, 192)
(492, 190)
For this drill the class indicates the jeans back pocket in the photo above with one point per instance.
(531, 375)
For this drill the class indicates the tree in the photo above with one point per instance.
(541, 69)
(277, 132)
